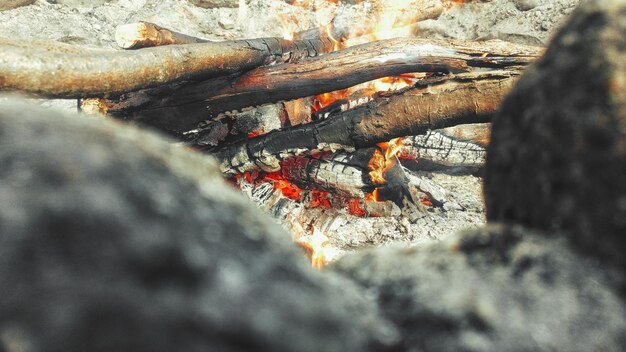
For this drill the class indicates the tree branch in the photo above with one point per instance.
(65, 71)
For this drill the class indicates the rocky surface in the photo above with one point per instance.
(523, 21)
(558, 153)
(111, 239)
(496, 289)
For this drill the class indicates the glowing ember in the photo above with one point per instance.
(319, 199)
(354, 207)
(288, 189)
(373, 197)
(254, 134)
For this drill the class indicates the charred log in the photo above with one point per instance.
(343, 173)
(434, 103)
(179, 108)
(437, 151)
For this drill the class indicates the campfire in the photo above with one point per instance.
(307, 175)
(328, 129)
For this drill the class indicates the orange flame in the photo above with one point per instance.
(317, 247)
(373, 197)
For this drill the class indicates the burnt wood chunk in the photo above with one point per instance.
(343, 173)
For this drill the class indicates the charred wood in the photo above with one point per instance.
(437, 147)
(349, 174)
(434, 103)
(179, 108)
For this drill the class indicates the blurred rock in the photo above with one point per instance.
(496, 289)
(112, 239)
(557, 159)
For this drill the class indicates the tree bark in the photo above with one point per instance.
(435, 103)
(180, 108)
(57, 70)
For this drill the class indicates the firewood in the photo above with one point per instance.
(180, 108)
(438, 148)
(343, 173)
(145, 34)
(434, 103)
(58, 70)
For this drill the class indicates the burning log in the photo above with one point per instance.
(178, 109)
(145, 34)
(59, 70)
(434, 103)
(343, 173)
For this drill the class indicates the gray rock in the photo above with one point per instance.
(495, 289)
(112, 239)
(557, 158)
